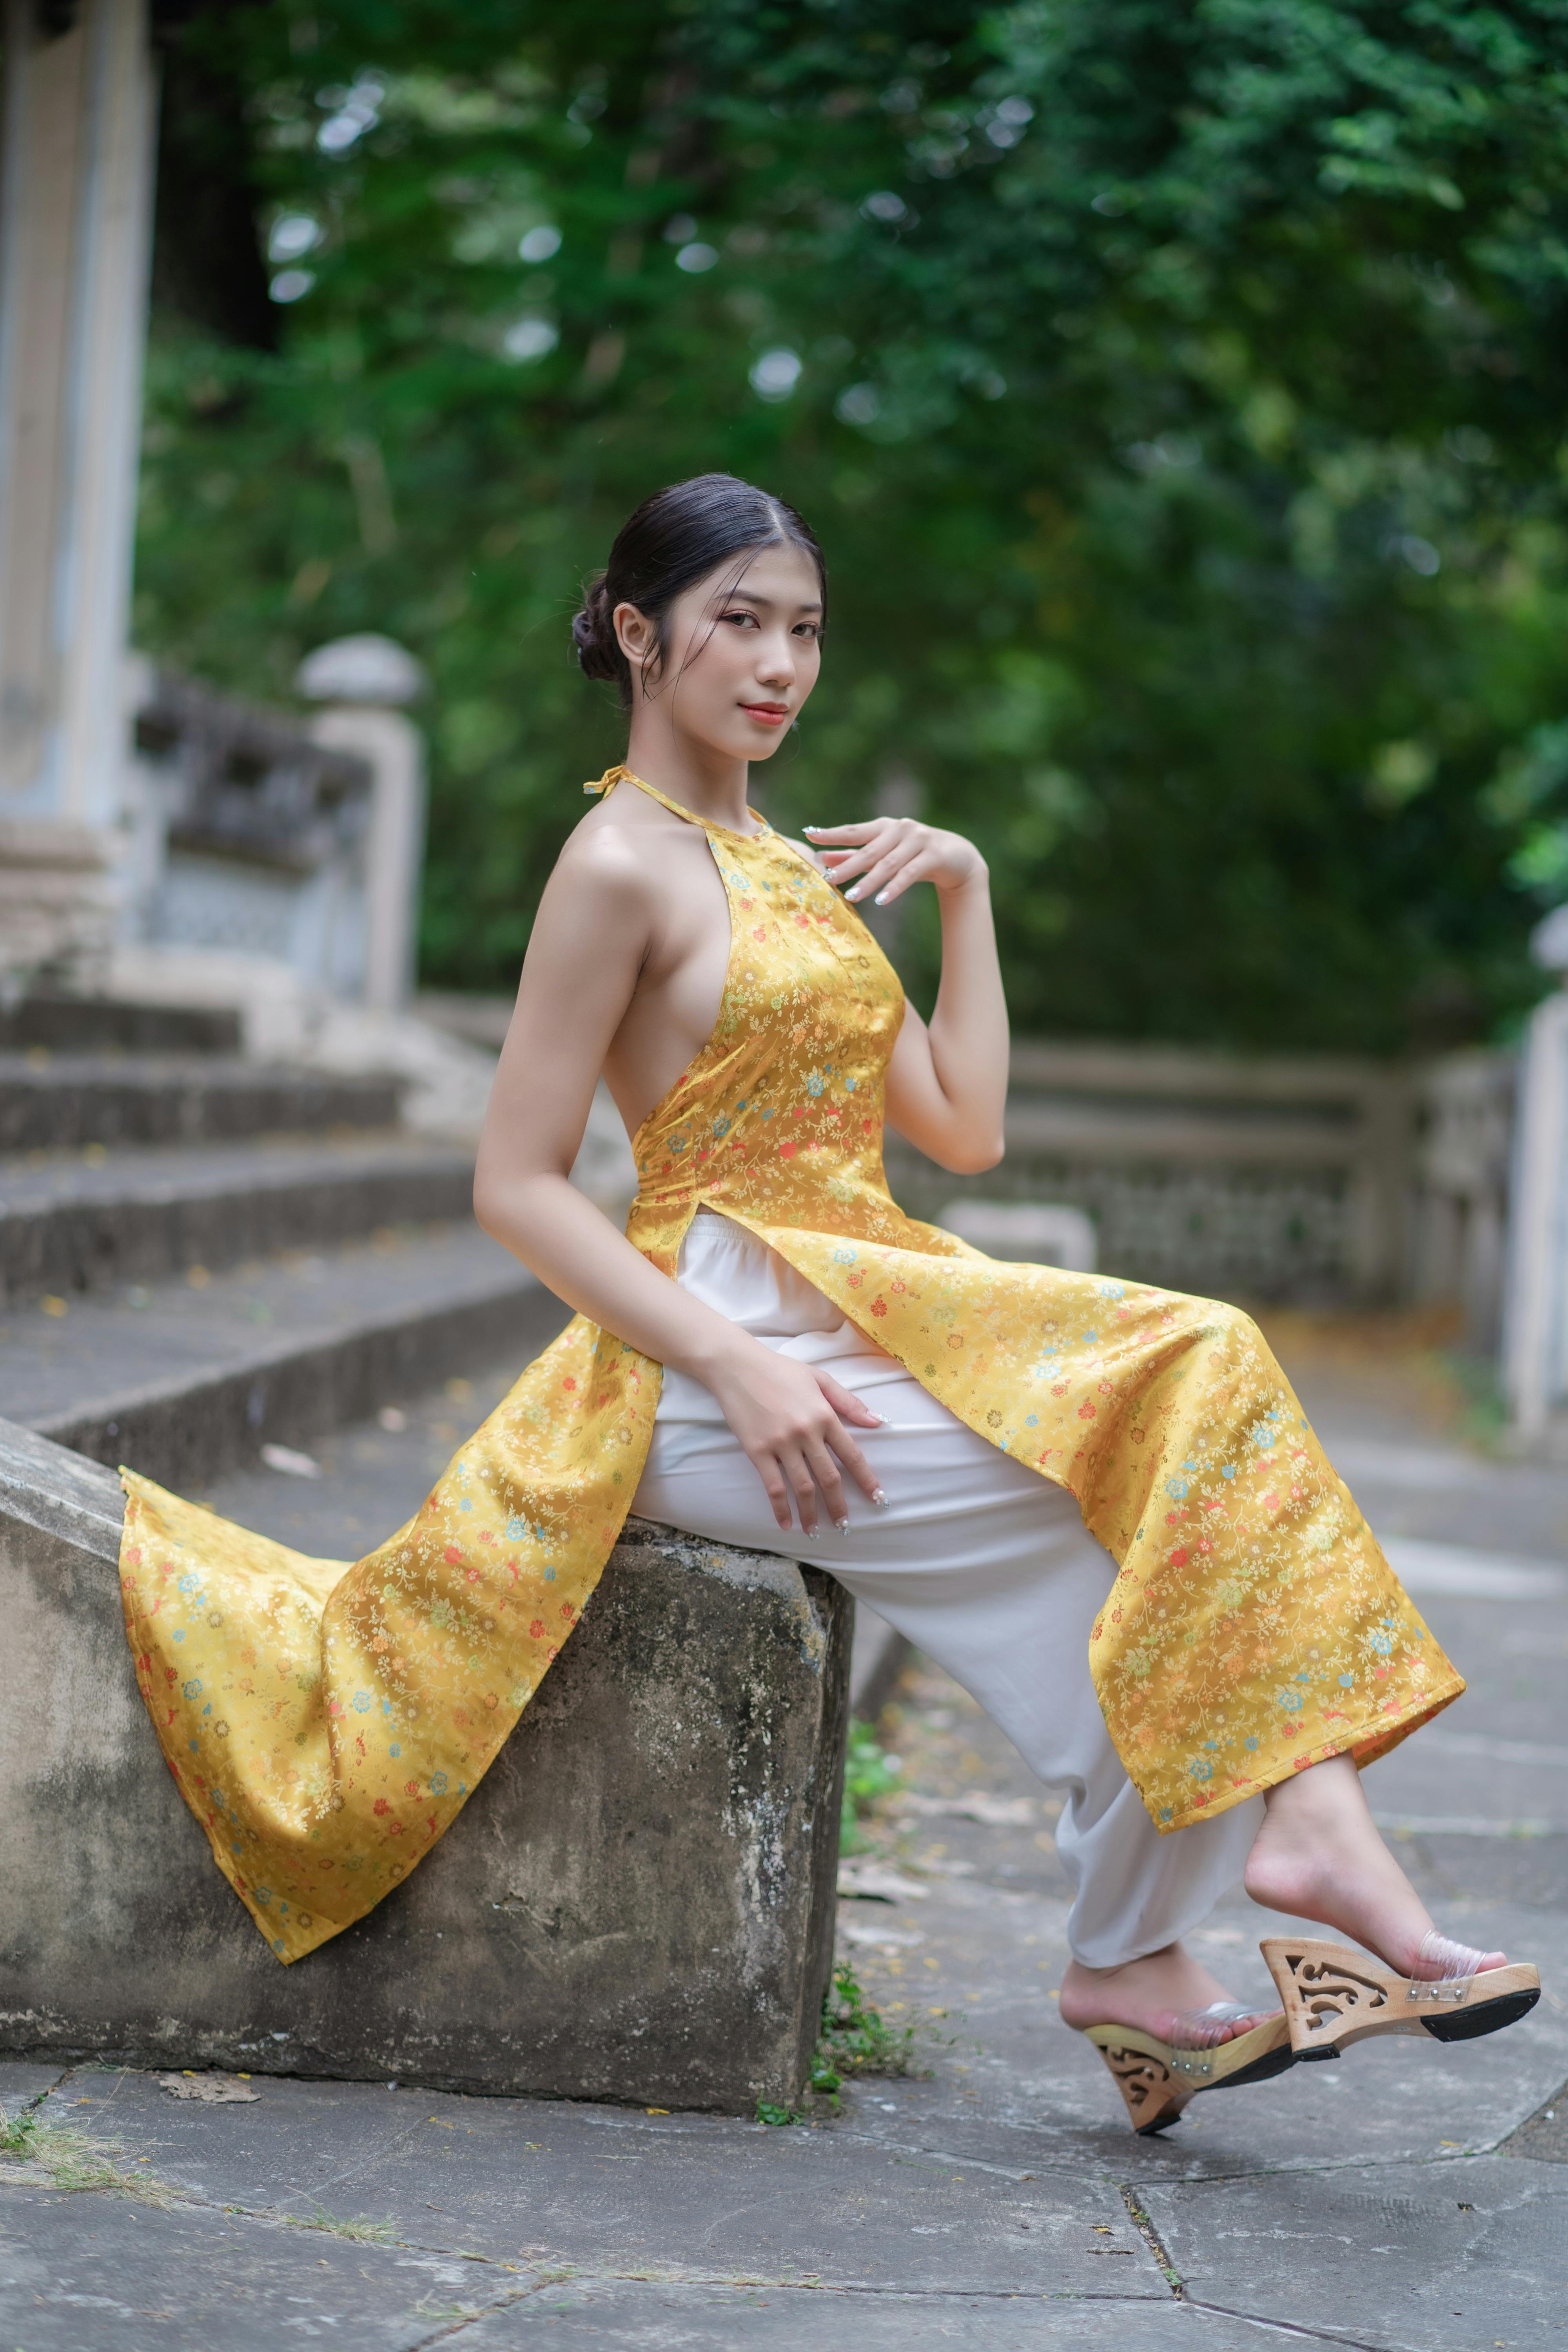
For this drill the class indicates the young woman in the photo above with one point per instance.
(1096, 1504)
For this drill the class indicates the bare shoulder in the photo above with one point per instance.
(611, 863)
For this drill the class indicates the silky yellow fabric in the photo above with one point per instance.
(325, 1721)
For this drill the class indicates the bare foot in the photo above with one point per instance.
(1150, 1994)
(1319, 1856)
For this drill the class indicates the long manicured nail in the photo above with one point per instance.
(879, 1498)
(856, 892)
(815, 1534)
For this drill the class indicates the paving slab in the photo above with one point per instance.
(690, 2196)
(975, 1965)
(91, 2270)
(1411, 2258)
(644, 2317)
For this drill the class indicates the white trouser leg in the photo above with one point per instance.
(985, 1567)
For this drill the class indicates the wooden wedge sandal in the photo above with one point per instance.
(1157, 2078)
(1334, 1995)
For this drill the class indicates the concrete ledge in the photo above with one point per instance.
(637, 1904)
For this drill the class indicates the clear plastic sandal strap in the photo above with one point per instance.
(1205, 2028)
(1442, 1962)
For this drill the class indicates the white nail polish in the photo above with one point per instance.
(842, 1526)
(879, 1500)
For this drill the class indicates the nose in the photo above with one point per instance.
(775, 659)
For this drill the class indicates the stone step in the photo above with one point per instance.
(99, 1025)
(138, 1212)
(64, 1101)
(185, 1381)
(636, 1905)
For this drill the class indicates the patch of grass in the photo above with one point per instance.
(360, 2230)
(870, 1772)
(16, 2133)
(75, 2160)
(856, 2039)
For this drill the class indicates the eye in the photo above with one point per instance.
(747, 620)
(812, 629)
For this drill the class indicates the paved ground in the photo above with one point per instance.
(1410, 2199)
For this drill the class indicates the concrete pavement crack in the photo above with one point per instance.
(1151, 2239)
(1291, 2327)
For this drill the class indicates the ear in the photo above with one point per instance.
(634, 634)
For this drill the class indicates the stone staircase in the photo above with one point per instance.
(200, 1255)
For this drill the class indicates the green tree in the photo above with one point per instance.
(1176, 392)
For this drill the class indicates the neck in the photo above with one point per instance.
(711, 783)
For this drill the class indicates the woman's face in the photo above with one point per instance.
(744, 653)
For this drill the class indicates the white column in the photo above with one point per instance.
(76, 208)
(1535, 1316)
(363, 679)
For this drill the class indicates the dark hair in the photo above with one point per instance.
(675, 538)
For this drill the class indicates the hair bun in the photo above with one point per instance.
(592, 632)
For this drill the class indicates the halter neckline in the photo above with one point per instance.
(613, 776)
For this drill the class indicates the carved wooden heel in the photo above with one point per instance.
(1156, 2079)
(1334, 1996)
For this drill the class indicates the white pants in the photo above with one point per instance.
(986, 1567)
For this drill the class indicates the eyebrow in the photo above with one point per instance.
(750, 596)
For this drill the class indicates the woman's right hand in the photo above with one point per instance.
(792, 1422)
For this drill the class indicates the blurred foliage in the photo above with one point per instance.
(1177, 391)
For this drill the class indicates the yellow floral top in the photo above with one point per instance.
(326, 1720)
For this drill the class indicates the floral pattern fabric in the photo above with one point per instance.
(326, 1721)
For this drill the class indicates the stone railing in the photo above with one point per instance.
(1314, 1179)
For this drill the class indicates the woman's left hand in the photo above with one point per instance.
(891, 853)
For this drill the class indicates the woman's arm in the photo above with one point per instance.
(947, 1086)
(590, 941)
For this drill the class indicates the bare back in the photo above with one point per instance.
(680, 983)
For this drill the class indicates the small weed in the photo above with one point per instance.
(870, 1772)
(856, 2039)
(16, 2133)
(74, 2160)
(769, 2113)
(362, 2232)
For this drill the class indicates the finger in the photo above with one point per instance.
(881, 872)
(904, 877)
(776, 1491)
(846, 1404)
(824, 1470)
(827, 832)
(859, 1469)
(918, 870)
(803, 1486)
(838, 865)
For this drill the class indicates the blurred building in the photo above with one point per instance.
(140, 811)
